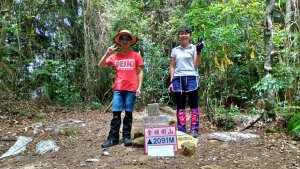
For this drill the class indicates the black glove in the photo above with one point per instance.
(199, 45)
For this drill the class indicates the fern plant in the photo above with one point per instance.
(294, 125)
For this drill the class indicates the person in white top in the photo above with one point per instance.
(185, 60)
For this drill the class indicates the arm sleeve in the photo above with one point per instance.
(173, 53)
(140, 61)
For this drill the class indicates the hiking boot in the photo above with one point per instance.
(109, 143)
(113, 136)
(195, 135)
(127, 142)
(194, 122)
(181, 120)
(127, 126)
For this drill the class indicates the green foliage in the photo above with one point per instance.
(292, 116)
(35, 33)
(68, 131)
(254, 111)
(294, 125)
(234, 110)
(268, 84)
(41, 115)
(23, 113)
(224, 117)
(226, 122)
(271, 130)
(230, 33)
(96, 105)
(287, 77)
(44, 48)
(57, 79)
(156, 80)
(286, 110)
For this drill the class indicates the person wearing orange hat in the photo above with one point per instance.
(127, 85)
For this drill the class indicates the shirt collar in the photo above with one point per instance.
(188, 47)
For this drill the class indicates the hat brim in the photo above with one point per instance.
(117, 38)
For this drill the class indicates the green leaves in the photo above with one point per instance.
(294, 125)
(56, 78)
(60, 33)
(268, 84)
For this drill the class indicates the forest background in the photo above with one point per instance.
(49, 51)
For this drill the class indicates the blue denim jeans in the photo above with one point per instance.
(123, 100)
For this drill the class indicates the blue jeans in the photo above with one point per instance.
(123, 100)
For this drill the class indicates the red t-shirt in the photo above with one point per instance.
(125, 66)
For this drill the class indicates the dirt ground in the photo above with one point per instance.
(82, 148)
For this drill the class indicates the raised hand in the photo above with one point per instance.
(199, 45)
(111, 48)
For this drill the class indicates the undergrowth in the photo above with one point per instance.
(294, 125)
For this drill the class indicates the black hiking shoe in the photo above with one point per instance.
(109, 143)
(127, 142)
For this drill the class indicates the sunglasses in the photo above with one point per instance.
(125, 39)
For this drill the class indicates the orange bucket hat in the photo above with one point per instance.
(125, 32)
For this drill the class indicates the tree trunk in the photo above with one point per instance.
(96, 41)
(295, 27)
(268, 35)
(87, 76)
(75, 29)
(3, 36)
(4, 9)
(288, 24)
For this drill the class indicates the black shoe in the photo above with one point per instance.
(195, 134)
(109, 143)
(127, 142)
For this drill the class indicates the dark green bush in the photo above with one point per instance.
(294, 125)
(225, 122)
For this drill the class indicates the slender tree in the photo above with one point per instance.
(268, 32)
(96, 41)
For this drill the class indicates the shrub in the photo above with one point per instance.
(294, 125)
